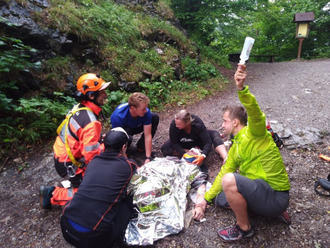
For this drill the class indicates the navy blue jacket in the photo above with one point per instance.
(102, 193)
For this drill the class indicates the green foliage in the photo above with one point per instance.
(164, 92)
(223, 25)
(14, 55)
(96, 21)
(158, 92)
(126, 42)
(54, 68)
(114, 99)
(198, 72)
(149, 26)
(43, 114)
(163, 8)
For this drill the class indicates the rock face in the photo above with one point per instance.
(17, 21)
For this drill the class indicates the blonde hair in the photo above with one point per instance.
(137, 98)
(183, 115)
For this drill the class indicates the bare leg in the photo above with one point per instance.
(236, 201)
(221, 150)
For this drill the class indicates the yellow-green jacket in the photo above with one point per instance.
(253, 152)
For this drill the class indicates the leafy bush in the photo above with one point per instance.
(157, 92)
(14, 57)
(223, 25)
(33, 120)
(114, 99)
(198, 72)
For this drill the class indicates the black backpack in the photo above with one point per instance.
(278, 141)
(323, 183)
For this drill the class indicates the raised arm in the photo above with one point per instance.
(256, 118)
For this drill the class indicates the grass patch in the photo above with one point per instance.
(102, 21)
(164, 94)
(163, 9)
(151, 27)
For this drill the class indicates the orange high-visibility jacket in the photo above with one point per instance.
(83, 135)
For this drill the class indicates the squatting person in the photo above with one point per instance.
(262, 185)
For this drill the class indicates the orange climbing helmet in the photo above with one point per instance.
(90, 82)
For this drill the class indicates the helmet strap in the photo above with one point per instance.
(95, 95)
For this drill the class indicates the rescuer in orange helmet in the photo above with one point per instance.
(78, 139)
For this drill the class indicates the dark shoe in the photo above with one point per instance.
(285, 217)
(234, 233)
(45, 193)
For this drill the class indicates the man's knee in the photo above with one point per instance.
(166, 149)
(228, 181)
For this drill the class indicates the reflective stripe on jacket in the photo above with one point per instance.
(85, 126)
(253, 152)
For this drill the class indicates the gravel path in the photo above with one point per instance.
(293, 93)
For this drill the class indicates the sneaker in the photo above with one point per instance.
(233, 233)
(285, 217)
(45, 193)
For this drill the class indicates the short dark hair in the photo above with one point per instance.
(237, 112)
(115, 139)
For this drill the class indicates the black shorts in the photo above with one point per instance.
(260, 197)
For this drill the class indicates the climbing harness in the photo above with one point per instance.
(64, 126)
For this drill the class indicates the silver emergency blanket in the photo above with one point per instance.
(160, 192)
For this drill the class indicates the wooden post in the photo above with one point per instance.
(299, 48)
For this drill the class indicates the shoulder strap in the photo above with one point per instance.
(65, 124)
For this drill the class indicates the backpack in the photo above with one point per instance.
(278, 141)
(323, 183)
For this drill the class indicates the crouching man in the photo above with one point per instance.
(99, 212)
(262, 185)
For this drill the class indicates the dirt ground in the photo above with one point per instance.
(293, 93)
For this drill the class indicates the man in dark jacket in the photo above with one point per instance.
(99, 212)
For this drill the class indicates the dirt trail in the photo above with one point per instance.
(293, 93)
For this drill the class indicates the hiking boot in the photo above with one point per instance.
(285, 217)
(45, 193)
(233, 233)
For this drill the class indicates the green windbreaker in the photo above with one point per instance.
(253, 152)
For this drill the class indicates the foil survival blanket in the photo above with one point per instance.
(160, 190)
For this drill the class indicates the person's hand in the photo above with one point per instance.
(199, 160)
(147, 160)
(240, 76)
(199, 210)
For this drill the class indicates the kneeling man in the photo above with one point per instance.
(99, 212)
(135, 117)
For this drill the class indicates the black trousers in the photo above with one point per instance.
(133, 131)
(61, 169)
(113, 235)
(168, 148)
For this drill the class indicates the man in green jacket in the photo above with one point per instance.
(262, 185)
